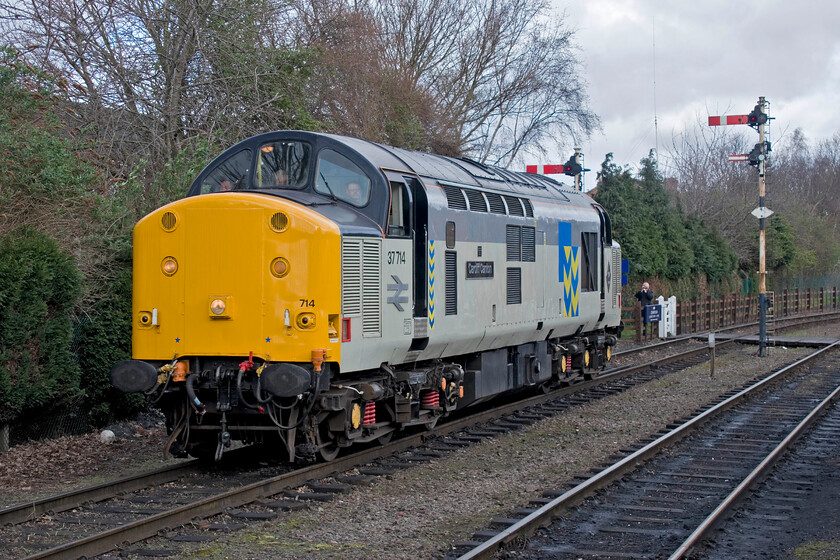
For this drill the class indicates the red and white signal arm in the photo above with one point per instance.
(546, 169)
(725, 120)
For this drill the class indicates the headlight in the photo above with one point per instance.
(305, 321)
(217, 307)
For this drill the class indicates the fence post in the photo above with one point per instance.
(734, 309)
(708, 310)
(693, 314)
(637, 313)
(678, 326)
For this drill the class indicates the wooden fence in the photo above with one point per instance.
(707, 314)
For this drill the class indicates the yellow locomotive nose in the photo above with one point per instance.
(228, 270)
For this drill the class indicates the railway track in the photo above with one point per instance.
(36, 529)
(665, 508)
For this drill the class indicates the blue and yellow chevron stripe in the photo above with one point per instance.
(431, 284)
(569, 270)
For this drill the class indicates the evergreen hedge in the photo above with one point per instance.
(39, 286)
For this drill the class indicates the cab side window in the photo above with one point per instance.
(399, 216)
(229, 175)
(340, 178)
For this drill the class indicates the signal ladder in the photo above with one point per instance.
(771, 319)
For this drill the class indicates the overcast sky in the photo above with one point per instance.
(711, 57)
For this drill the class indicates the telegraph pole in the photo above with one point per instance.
(757, 158)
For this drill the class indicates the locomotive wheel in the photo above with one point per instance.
(385, 439)
(327, 445)
(204, 449)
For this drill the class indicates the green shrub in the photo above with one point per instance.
(39, 286)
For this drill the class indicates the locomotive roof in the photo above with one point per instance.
(432, 168)
(378, 160)
(459, 171)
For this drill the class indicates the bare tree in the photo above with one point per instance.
(150, 75)
(485, 78)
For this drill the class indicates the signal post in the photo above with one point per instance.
(572, 168)
(758, 158)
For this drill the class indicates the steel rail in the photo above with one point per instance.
(757, 475)
(64, 501)
(543, 516)
(144, 528)
(796, 320)
(25, 511)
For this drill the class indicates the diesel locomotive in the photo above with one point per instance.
(314, 291)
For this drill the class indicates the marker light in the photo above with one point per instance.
(279, 267)
(169, 266)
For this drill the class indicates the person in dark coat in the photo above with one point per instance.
(645, 297)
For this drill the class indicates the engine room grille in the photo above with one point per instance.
(514, 206)
(520, 243)
(528, 244)
(361, 282)
(497, 206)
(477, 203)
(451, 283)
(514, 243)
(615, 281)
(529, 210)
(514, 286)
(455, 198)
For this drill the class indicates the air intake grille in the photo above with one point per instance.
(529, 210)
(514, 243)
(351, 277)
(521, 243)
(514, 207)
(455, 198)
(514, 286)
(477, 203)
(497, 206)
(615, 281)
(528, 241)
(451, 283)
(361, 282)
(371, 288)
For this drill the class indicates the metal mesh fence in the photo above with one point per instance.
(58, 419)
(779, 283)
(64, 420)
